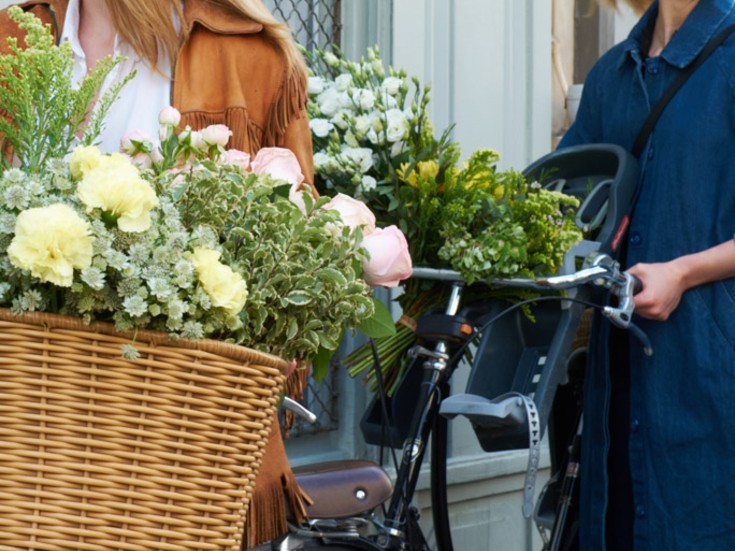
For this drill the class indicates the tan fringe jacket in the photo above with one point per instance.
(228, 73)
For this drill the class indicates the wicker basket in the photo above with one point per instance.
(98, 453)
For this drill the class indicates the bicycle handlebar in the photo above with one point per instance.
(602, 271)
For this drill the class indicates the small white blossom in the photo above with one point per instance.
(135, 306)
(320, 127)
(16, 197)
(343, 82)
(93, 277)
(316, 85)
(391, 85)
(368, 183)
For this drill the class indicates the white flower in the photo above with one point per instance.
(316, 85)
(169, 116)
(329, 102)
(364, 98)
(341, 119)
(351, 140)
(135, 306)
(368, 183)
(391, 85)
(397, 125)
(321, 160)
(375, 138)
(216, 134)
(396, 149)
(361, 156)
(321, 127)
(343, 82)
(361, 125)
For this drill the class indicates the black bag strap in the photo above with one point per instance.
(653, 116)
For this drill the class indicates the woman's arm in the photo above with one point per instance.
(664, 283)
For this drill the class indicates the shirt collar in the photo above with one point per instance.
(705, 20)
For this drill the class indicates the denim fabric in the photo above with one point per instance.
(682, 399)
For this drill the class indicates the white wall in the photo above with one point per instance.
(489, 64)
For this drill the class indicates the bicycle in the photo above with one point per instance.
(510, 411)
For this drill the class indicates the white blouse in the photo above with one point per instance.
(140, 100)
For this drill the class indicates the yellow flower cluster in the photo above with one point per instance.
(112, 183)
(51, 242)
(226, 288)
(426, 170)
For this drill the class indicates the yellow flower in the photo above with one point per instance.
(115, 186)
(426, 170)
(50, 242)
(83, 159)
(410, 179)
(226, 288)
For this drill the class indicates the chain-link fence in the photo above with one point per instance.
(315, 23)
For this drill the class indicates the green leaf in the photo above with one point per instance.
(320, 364)
(380, 324)
(298, 298)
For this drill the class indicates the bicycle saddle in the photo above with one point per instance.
(340, 489)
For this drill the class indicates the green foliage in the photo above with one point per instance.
(43, 110)
(304, 279)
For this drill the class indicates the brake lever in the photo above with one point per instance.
(622, 315)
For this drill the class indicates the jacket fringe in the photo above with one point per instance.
(295, 386)
(246, 136)
(290, 102)
(271, 507)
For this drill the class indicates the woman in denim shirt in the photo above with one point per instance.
(658, 459)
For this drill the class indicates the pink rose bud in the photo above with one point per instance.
(142, 160)
(390, 261)
(169, 116)
(216, 134)
(354, 213)
(235, 157)
(135, 141)
(280, 163)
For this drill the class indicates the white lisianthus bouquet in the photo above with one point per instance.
(177, 234)
(365, 123)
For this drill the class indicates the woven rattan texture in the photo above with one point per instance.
(98, 453)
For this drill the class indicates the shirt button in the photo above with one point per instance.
(653, 69)
(650, 152)
(635, 425)
(635, 239)
(640, 512)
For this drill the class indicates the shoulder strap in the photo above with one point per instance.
(653, 116)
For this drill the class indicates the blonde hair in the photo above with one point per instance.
(639, 6)
(148, 27)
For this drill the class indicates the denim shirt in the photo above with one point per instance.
(682, 416)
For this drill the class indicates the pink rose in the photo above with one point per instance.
(135, 141)
(235, 157)
(169, 116)
(280, 163)
(216, 134)
(354, 213)
(390, 261)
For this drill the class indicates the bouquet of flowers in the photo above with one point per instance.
(365, 123)
(184, 237)
(374, 140)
